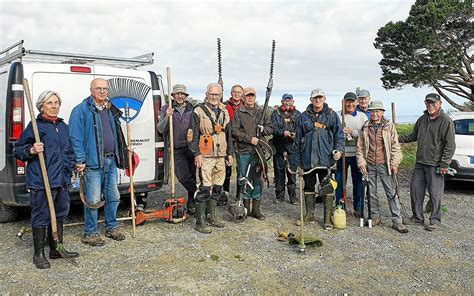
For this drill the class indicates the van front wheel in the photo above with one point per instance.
(7, 214)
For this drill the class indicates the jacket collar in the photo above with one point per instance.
(310, 109)
(39, 117)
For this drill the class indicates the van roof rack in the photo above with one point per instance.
(17, 51)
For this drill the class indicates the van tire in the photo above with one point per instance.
(7, 214)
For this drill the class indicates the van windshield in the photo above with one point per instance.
(464, 127)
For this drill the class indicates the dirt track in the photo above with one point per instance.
(166, 258)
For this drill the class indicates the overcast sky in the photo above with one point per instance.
(320, 44)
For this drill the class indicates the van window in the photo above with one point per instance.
(464, 127)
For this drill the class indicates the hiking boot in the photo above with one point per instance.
(93, 240)
(431, 227)
(115, 235)
(413, 221)
(400, 227)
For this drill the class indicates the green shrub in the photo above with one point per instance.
(408, 149)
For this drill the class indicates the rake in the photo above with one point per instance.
(128, 94)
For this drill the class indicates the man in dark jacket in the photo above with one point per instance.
(434, 132)
(244, 131)
(284, 132)
(95, 133)
(319, 143)
(185, 169)
(59, 160)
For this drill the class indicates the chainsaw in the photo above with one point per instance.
(173, 212)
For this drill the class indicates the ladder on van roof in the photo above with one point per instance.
(17, 51)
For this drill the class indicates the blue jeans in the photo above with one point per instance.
(243, 161)
(357, 186)
(97, 182)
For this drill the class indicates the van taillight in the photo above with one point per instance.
(20, 167)
(160, 154)
(81, 69)
(16, 115)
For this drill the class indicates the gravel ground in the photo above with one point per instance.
(174, 259)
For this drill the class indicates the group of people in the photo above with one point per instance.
(209, 137)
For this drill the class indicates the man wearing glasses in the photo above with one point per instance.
(95, 134)
(211, 144)
(434, 132)
(319, 142)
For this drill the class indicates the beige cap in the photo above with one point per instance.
(249, 90)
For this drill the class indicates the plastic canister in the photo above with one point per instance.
(339, 218)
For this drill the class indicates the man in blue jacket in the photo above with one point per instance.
(95, 133)
(59, 158)
(319, 143)
(284, 132)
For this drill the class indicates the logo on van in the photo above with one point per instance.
(125, 92)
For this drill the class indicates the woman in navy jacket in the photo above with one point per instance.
(59, 159)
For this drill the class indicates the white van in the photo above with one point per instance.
(70, 75)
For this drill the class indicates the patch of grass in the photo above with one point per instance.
(408, 149)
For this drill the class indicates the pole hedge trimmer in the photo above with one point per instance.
(219, 65)
(263, 150)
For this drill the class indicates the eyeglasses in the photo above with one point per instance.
(213, 95)
(101, 89)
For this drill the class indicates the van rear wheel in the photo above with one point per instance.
(7, 213)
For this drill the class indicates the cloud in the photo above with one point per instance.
(327, 44)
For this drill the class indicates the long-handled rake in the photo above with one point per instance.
(52, 212)
(129, 94)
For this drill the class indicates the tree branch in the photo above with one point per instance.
(451, 102)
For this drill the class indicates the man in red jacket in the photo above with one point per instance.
(234, 102)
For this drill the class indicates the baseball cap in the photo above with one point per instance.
(363, 93)
(249, 90)
(350, 96)
(287, 96)
(432, 97)
(317, 93)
